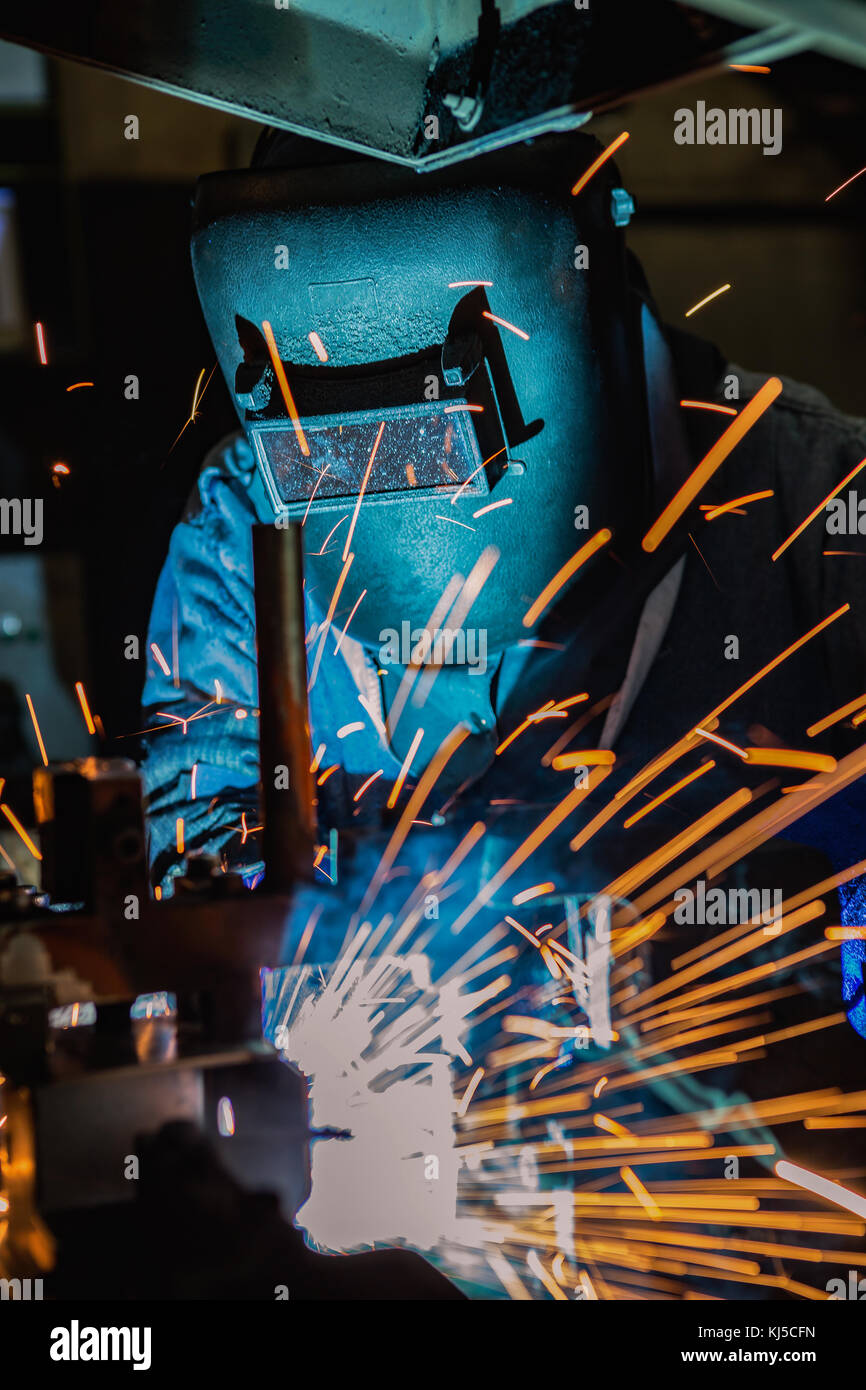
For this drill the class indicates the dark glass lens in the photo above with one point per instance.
(421, 448)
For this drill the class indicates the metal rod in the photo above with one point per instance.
(284, 733)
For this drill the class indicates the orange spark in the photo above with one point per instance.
(538, 891)
(713, 512)
(597, 163)
(748, 67)
(706, 300)
(530, 719)
(247, 830)
(364, 785)
(524, 851)
(563, 575)
(776, 661)
(665, 796)
(790, 757)
(628, 881)
(820, 507)
(542, 1073)
(37, 730)
(611, 1126)
(709, 405)
(85, 708)
(474, 471)
(363, 489)
(572, 699)
(585, 757)
(348, 620)
(20, 831)
(77, 385)
(318, 347)
(835, 1122)
(475, 581)
(327, 773)
(196, 398)
(327, 621)
(724, 743)
(178, 833)
(442, 606)
(822, 1187)
(161, 659)
(550, 961)
(491, 507)
(463, 1104)
(844, 185)
(285, 389)
(723, 446)
(631, 1179)
(313, 493)
(462, 284)
(503, 323)
(407, 763)
(332, 531)
(428, 780)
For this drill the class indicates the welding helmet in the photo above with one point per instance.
(430, 367)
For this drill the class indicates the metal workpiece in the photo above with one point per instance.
(91, 827)
(461, 77)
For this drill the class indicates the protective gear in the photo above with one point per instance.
(483, 375)
(373, 262)
(207, 582)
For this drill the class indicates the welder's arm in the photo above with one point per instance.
(200, 694)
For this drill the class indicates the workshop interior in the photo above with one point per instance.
(433, 651)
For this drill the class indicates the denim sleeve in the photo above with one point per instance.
(200, 694)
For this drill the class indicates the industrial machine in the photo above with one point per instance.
(138, 1095)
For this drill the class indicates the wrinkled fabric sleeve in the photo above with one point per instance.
(201, 763)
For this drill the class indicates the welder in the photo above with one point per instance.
(459, 385)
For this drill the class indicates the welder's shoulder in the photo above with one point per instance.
(808, 434)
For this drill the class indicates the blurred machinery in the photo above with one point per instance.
(130, 1036)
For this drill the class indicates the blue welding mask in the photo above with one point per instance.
(431, 366)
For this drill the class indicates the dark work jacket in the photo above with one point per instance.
(799, 449)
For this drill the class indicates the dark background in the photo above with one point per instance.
(102, 231)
